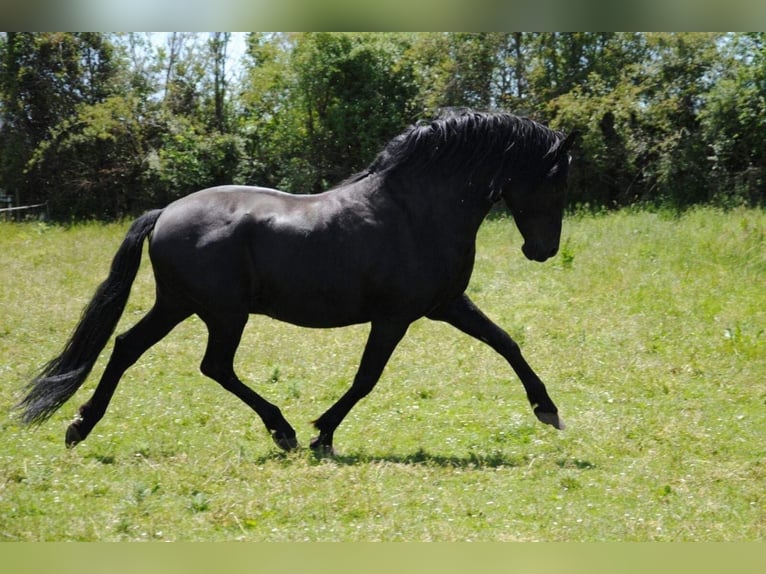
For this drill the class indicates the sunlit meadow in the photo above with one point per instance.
(649, 330)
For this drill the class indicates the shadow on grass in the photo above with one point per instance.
(423, 458)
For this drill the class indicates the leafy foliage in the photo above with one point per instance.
(320, 111)
(103, 125)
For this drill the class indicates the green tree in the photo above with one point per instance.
(44, 79)
(185, 158)
(603, 103)
(640, 111)
(92, 163)
(217, 44)
(184, 70)
(270, 120)
(733, 121)
(683, 67)
(356, 93)
(484, 70)
(471, 61)
(325, 103)
(102, 125)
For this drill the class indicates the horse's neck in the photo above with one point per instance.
(454, 210)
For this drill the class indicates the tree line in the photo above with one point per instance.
(102, 125)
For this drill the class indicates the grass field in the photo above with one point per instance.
(649, 330)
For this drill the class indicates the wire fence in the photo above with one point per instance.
(16, 212)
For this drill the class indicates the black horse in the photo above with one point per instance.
(392, 244)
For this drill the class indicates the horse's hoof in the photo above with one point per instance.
(320, 448)
(286, 443)
(73, 436)
(552, 419)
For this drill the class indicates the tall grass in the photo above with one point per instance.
(649, 330)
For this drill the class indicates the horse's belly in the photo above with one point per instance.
(311, 310)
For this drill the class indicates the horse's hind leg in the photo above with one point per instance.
(128, 348)
(225, 333)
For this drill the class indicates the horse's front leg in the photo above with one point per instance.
(464, 315)
(383, 339)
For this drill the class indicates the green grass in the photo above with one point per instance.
(648, 329)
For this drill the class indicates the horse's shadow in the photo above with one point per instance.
(424, 458)
(421, 457)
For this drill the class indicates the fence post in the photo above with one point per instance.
(6, 201)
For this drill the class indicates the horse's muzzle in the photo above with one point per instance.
(538, 254)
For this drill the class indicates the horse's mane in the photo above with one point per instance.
(469, 141)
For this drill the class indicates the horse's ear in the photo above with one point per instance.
(565, 146)
(559, 150)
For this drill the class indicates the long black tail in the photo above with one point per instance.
(61, 377)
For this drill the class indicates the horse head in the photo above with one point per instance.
(536, 201)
